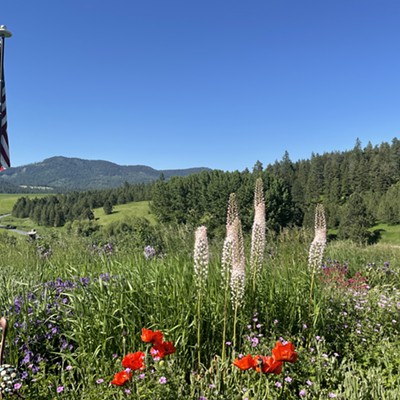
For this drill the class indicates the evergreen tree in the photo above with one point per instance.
(108, 207)
(355, 220)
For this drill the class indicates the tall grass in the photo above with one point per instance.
(96, 321)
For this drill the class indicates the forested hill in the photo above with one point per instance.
(62, 173)
(373, 172)
(357, 188)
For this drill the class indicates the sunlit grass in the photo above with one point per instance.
(123, 211)
(388, 233)
(7, 201)
(103, 320)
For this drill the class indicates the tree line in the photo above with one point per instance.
(357, 188)
(56, 210)
(366, 178)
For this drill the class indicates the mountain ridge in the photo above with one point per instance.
(69, 173)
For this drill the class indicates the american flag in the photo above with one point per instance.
(4, 150)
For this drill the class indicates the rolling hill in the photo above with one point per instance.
(63, 173)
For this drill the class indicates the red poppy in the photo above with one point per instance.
(149, 336)
(268, 365)
(120, 378)
(245, 363)
(162, 349)
(134, 361)
(284, 352)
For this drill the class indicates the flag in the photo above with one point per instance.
(4, 150)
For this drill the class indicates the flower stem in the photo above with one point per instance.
(223, 356)
(198, 327)
(311, 294)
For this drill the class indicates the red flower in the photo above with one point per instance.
(162, 349)
(245, 362)
(120, 378)
(284, 352)
(268, 365)
(149, 336)
(134, 361)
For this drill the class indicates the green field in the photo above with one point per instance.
(120, 212)
(124, 211)
(77, 303)
(7, 201)
(80, 313)
(389, 234)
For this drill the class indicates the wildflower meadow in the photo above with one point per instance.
(260, 316)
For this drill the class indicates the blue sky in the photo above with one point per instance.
(178, 84)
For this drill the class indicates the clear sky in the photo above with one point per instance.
(214, 83)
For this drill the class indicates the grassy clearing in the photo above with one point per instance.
(389, 234)
(124, 211)
(7, 201)
(120, 213)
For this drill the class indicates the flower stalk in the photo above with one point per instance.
(201, 260)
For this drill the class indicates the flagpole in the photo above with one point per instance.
(4, 33)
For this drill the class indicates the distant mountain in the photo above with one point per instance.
(62, 173)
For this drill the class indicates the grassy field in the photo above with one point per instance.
(77, 306)
(124, 211)
(389, 234)
(120, 212)
(74, 315)
(7, 201)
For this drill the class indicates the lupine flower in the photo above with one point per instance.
(120, 378)
(134, 361)
(149, 336)
(201, 256)
(318, 245)
(258, 231)
(149, 252)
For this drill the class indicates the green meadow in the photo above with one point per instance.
(78, 308)
(123, 211)
(7, 201)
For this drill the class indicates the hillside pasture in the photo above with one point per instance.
(120, 212)
(7, 201)
(389, 234)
